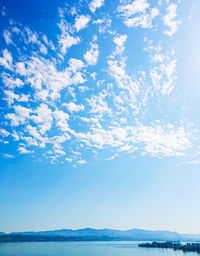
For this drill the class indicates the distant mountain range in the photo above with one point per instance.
(104, 234)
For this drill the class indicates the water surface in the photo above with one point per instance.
(84, 249)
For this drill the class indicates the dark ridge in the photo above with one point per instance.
(35, 238)
(188, 247)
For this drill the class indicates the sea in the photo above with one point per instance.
(85, 249)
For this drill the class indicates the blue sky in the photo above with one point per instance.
(99, 114)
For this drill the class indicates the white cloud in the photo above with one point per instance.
(62, 120)
(4, 133)
(22, 111)
(59, 151)
(75, 64)
(81, 22)
(9, 156)
(98, 21)
(145, 15)
(7, 36)
(72, 107)
(170, 71)
(98, 104)
(43, 49)
(43, 117)
(137, 6)
(15, 135)
(91, 56)
(11, 82)
(23, 150)
(81, 161)
(117, 70)
(120, 41)
(164, 76)
(155, 140)
(66, 41)
(94, 4)
(144, 20)
(20, 116)
(163, 141)
(3, 11)
(104, 25)
(68, 159)
(20, 68)
(36, 139)
(170, 19)
(193, 162)
(48, 42)
(43, 76)
(6, 60)
(31, 37)
(11, 97)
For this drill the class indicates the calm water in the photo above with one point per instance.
(84, 249)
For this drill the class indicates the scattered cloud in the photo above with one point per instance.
(193, 162)
(81, 22)
(23, 150)
(9, 156)
(66, 41)
(72, 107)
(20, 116)
(170, 19)
(120, 41)
(137, 6)
(3, 11)
(61, 120)
(43, 117)
(10, 97)
(6, 60)
(156, 140)
(137, 13)
(4, 133)
(7, 36)
(82, 161)
(68, 159)
(95, 4)
(91, 56)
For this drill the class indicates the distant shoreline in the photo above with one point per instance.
(37, 238)
(19, 238)
(188, 247)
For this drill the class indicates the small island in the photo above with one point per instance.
(187, 247)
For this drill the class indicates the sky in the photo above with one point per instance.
(99, 114)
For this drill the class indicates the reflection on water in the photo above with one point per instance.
(84, 249)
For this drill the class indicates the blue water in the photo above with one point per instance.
(84, 249)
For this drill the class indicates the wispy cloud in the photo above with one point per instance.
(170, 19)
(9, 156)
